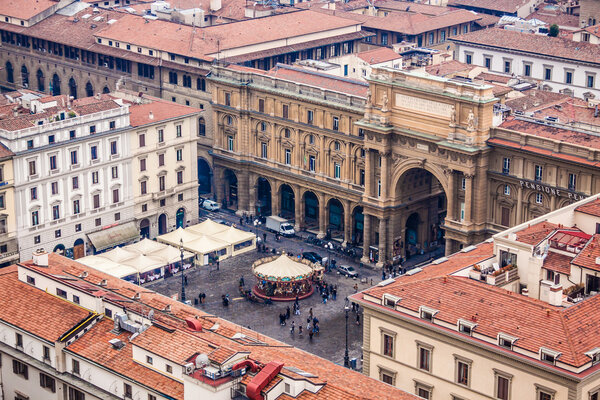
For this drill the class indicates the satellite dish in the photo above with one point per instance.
(202, 360)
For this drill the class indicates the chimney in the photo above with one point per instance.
(525, 292)
(215, 5)
(151, 115)
(97, 96)
(40, 258)
(555, 296)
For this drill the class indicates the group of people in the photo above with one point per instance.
(327, 291)
(391, 271)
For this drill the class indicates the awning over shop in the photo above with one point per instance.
(114, 236)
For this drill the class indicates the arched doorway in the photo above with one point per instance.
(105, 90)
(145, 228)
(72, 88)
(204, 177)
(162, 224)
(412, 234)
(78, 249)
(421, 209)
(358, 220)
(336, 218)
(10, 73)
(180, 218)
(24, 76)
(59, 249)
(288, 202)
(263, 203)
(311, 210)
(231, 187)
(40, 80)
(89, 89)
(55, 85)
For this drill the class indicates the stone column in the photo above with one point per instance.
(384, 175)
(298, 210)
(368, 172)
(243, 194)
(322, 218)
(519, 205)
(468, 198)
(451, 196)
(347, 223)
(383, 234)
(252, 194)
(274, 199)
(220, 185)
(366, 238)
(552, 202)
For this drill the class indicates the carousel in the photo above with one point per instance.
(283, 278)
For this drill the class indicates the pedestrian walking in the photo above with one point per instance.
(242, 282)
(324, 297)
(357, 319)
(383, 275)
(293, 327)
(218, 263)
(308, 327)
(241, 221)
(334, 292)
(287, 312)
(355, 287)
(310, 313)
(310, 335)
(300, 329)
(265, 237)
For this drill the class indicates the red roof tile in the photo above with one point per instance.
(25, 9)
(507, 6)
(379, 55)
(587, 257)
(161, 110)
(558, 263)
(534, 234)
(5, 152)
(591, 208)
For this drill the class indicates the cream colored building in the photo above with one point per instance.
(515, 317)
(164, 164)
(9, 251)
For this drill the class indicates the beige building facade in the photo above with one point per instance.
(9, 251)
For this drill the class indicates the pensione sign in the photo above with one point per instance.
(551, 190)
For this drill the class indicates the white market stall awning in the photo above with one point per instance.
(234, 236)
(174, 238)
(205, 245)
(119, 254)
(170, 254)
(143, 263)
(146, 246)
(114, 236)
(208, 227)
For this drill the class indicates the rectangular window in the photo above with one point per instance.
(53, 164)
(142, 140)
(75, 394)
(143, 189)
(96, 201)
(169, 369)
(33, 193)
(527, 69)
(424, 393)
(548, 73)
(35, 218)
(76, 209)
(74, 160)
(75, 182)
(55, 212)
(572, 181)
(337, 171)
(114, 172)
(228, 99)
(115, 196)
(590, 80)
(424, 358)
(161, 183)
(179, 154)
(50, 139)
(568, 77)
(488, 62)
(161, 160)
(54, 188)
(161, 136)
(32, 169)
(94, 152)
(462, 373)
(230, 143)
(95, 178)
(539, 170)
(335, 125)
(179, 177)
(18, 340)
(177, 130)
(127, 391)
(468, 58)
(143, 164)
(361, 177)
(507, 66)
(285, 111)
(30, 144)
(46, 352)
(20, 369)
(261, 105)
(309, 117)
(263, 150)
(72, 135)
(92, 129)
(506, 165)
(75, 366)
(311, 163)
(113, 148)
(384, 39)
(388, 345)
(288, 157)
(112, 125)
(502, 387)
(61, 293)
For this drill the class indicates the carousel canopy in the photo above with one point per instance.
(283, 268)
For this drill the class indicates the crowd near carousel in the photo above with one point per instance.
(285, 278)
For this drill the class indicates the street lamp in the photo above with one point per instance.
(346, 357)
(182, 277)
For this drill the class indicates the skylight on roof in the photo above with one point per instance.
(386, 282)
(439, 260)
(300, 372)
(112, 21)
(98, 18)
(468, 249)
(86, 16)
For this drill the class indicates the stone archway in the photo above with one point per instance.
(10, 73)
(204, 177)
(105, 90)
(358, 220)
(311, 210)
(72, 88)
(78, 249)
(263, 197)
(89, 89)
(162, 224)
(335, 220)
(24, 76)
(288, 201)
(180, 218)
(40, 80)
(230, 183)
(145, 228)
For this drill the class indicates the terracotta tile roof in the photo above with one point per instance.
(450, 67)
(95, 347)
(331, 82)
(569, 331)
(560, 19)
(533, 234)
(532, 44)
(490, 77)
(552, 132)
(558, 263)
(161, 110)
(34, 310)
(379, 55)
(413, 7)
(587, 257)
(487, 20)
(5, 152)
(414, 24)
(507, 6)
(25, 9)
(591, 208)
(569, 110)
(534, 99)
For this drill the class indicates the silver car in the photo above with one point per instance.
(348, 271)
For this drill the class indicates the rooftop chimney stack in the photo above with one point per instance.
(215, 5)
(555, 297)
(40, 258)
(151, 115)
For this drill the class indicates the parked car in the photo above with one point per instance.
(312, 257)
(210, 205)
(348, 271)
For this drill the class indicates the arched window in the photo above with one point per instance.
(10, 77)
(55, 89)
(72, 88)
(40, 80)
(24, 76)
(263, 126)
(201, 84)
(89, 89)
(105, 90)
(201, 127)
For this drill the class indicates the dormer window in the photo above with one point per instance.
(427, 313)
(466, 327)
(506, 341)
(549, 355)
(390, 300)
(594, 355)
